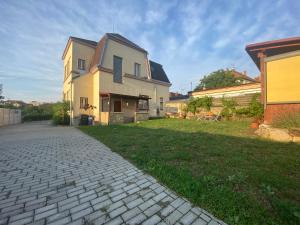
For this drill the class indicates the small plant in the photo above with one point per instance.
(287, 120)
(228, 108)
(256, 109)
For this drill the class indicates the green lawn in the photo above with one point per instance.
(220, 166)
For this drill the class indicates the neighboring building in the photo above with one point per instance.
(35, 103)
(15, 103)
(116, 76)
(242, 78)
(279, 65)
(242, 94)
(177, 103)
(243, 89)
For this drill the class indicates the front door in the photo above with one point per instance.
(117, 106)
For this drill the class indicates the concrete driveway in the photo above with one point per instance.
(58, 175)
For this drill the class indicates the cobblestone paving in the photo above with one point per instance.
(58, 175)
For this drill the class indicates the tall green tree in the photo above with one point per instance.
(217, 79)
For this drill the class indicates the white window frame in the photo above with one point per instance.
(83, 102)
(137, 69)
(161, 103)
(81, 64)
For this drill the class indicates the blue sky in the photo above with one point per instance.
(190, 38)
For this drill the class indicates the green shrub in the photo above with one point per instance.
(61, 113)
(256, 109)
(242, 112)
(228, 108)
(287, 120)
(37, 117)
(195, 103)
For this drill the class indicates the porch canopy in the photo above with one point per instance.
(145, 97)
(113, 102)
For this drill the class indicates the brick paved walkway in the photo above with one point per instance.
(58, 175)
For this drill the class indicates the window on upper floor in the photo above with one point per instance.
(117, 64)
(81, 64)
(137, 69)
(161, 103)
(83, 102)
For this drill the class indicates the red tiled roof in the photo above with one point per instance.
(271, 48)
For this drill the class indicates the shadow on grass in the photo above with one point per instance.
(240, 180)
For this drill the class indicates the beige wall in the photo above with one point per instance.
(129, 56)
(84, 87)
(84, 52)
(76, 51)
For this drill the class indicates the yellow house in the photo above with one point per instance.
(114, 76)
(279, 65)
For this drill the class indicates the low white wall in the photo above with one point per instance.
(10, 116)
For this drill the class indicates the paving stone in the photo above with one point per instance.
(21, 216)
(117, 212)
(131, 213)
(173, 217)
(137, 219)
(61, 221)
(166, 211)
(45, 214)
(146, 204)
(58, 175)
(188, 218)
(79, 207)
(184, 208)
(199, 221)
(212, 222)
(205, 217)
(119, 197)
(58, 216)
(152, 221)
(22, 221)
(81, 213)
(135, 203)
(152, 210)
(116, 221)
(46, 208)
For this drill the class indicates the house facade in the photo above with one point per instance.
(114, 76)
(279, 65)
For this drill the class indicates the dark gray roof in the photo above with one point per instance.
(94, 43)
(157, 72)
(179, 97)
(124, 40)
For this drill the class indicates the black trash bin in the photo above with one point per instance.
(84, 119)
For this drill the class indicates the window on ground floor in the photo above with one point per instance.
(143, 104)
(161, 103)
(83, 102)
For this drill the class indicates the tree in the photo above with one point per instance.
(217, 79)
(61, 113)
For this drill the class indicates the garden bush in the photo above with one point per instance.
(61, 113)
(254, 110)
(195, 103)
(229, 109)
(37, 117)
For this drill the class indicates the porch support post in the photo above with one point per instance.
(261, 55)
(121, 104)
